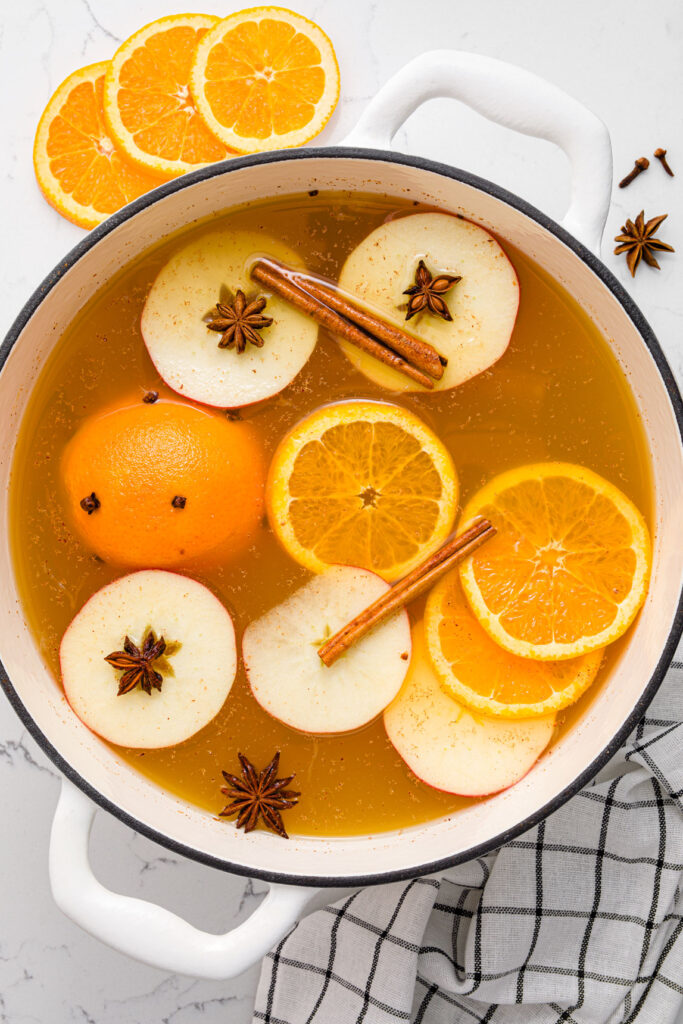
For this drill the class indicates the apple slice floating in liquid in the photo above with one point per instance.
(483, 303)
(451, 749)
(289, 680)
(197, 667)
(187, 354)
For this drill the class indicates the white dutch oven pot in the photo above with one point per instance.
(302, 870)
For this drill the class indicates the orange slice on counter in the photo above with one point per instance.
(80, 169)
(265, 78)
(477, 672)
(569, 567)
(147, 100)
(362, 483)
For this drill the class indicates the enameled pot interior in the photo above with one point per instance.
(643, 658)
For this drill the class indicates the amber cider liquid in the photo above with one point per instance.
(557, 393)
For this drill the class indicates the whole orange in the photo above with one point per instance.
(161, 484)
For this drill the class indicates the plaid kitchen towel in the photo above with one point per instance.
(580, 920)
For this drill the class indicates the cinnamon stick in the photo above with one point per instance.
(269, 275)
(421, 578)
(419, 353)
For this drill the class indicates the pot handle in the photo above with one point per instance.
(512, 97)
(150, 933)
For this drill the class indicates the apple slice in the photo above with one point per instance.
(483, 304)
(449, 747)
(289, 680)
(187, 354)
(197, 668)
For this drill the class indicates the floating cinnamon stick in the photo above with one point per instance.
(420, 353)
(270, 275)
(411, 586)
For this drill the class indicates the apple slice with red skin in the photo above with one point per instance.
(187, 354)
(449, 747)
(198, 667)
(482, 304)
(289, 680)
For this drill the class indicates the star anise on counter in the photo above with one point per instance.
(426, 293)
(238, 321)
(138, 665)
(258, 794)
(637, 241)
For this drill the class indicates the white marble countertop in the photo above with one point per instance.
(619, 57)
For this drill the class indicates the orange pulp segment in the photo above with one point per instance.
(265, 78)
(569, 567)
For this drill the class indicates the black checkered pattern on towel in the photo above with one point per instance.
(578, 921)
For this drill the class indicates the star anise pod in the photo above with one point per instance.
(426, 293)
(238, 322)
(137, 665)
(637, 241)
(258, 794)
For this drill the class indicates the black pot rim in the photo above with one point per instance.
(649, 339)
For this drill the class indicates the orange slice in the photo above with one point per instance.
(569, 567)
(80, 169)
(265, 78)
(147, 100)
(475, 671)
(364, 484)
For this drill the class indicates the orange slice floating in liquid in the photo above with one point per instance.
(364, 484)
(477, 672)
(569, 567)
